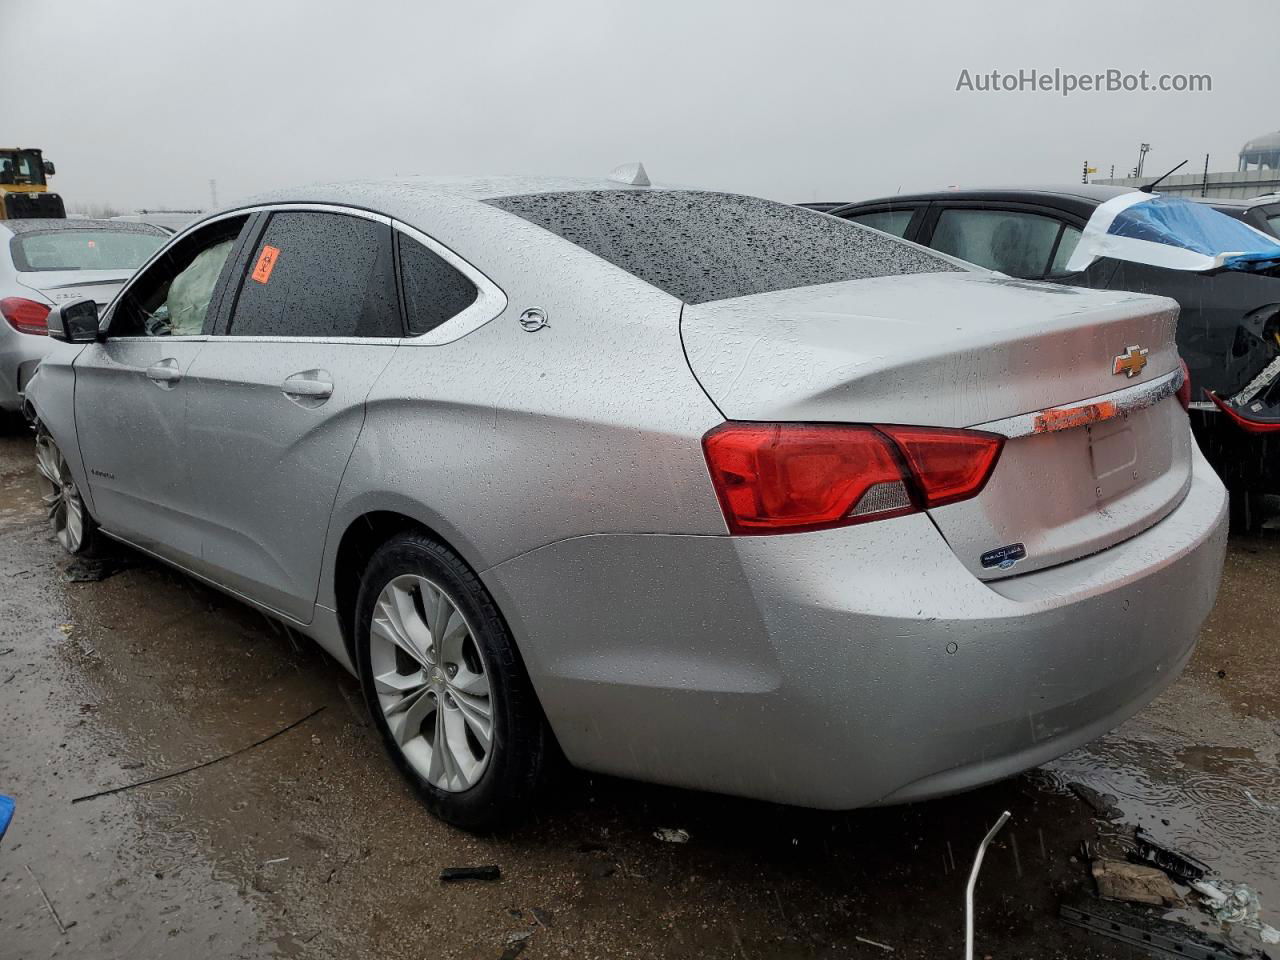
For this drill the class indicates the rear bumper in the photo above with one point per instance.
(855, 666)
(20, 354)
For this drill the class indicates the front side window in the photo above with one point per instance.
(889, 221)
(700, 246)
(319, 275)
(1010, 241)
(434, 291)
(172, 297)
(85, 249)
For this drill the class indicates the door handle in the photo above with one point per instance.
(165, 373)
(311, 384)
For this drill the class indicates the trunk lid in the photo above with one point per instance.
(979, 351)
(63, 286)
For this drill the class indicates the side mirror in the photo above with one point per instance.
(49, 168)
(74, 322)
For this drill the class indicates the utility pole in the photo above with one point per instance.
(1142, 157)
(1204, 184)
(213, 194)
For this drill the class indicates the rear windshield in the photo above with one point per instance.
(712, 246)
(83, 250)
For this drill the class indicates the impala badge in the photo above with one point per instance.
(1131, 362)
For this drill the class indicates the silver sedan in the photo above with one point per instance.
(50, 261)
(690, 487)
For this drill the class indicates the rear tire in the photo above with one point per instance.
(446, 686)
(72, 523)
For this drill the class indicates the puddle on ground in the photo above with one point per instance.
(1220, 805)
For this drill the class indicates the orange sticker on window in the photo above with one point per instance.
(266, 263)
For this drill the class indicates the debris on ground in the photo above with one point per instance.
(486, 872)
(973, 882)
(874, 943)
(672, 835)
(1104, 805)
(96, 569)
(198, 766)
(1152, 935)
(543, 917)
(1134, 883)
(1186, 870)
(62, 927)
(7, 806)
(1229, 904)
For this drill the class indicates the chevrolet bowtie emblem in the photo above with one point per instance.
(1131, 362)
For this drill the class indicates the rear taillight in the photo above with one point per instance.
(791, 477)
(26, 316)
(1184, 391)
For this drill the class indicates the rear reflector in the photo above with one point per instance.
(26, 316)
(792, 477)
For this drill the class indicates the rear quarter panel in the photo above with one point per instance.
(506, 440)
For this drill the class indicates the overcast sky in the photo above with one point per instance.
(142, 102)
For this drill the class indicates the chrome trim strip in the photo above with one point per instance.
(489, 303)
(1123, 401)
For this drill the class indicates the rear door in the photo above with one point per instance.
(276, 398)
(131, 391)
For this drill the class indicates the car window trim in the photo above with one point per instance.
(939, 207)
(489, 304)
(108, 314)
(269, 210)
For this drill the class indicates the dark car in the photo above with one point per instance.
(1229, 327)
(1261, 213)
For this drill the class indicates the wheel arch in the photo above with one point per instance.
(361, 538)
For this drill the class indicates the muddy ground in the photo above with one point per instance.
(310, 845)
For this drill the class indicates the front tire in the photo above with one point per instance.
(446, 686)
(75, 529)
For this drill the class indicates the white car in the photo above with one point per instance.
(46, 262)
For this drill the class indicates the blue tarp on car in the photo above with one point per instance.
(1194, 226)
(1173, 233)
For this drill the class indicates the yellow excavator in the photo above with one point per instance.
(24, 189)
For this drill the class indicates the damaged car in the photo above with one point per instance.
(1223, 272)
(689, 487)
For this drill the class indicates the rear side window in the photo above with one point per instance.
(319, 275)
(890, 221)
(1012, 242)
(434, 291)
(712, 246)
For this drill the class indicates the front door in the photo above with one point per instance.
(131, 393)
(276, 399)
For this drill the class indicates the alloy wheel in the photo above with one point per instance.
(60, 494)
(432, 683)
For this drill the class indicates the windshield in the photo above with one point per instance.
(21, 167)
(701, 246)
(83, 250)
